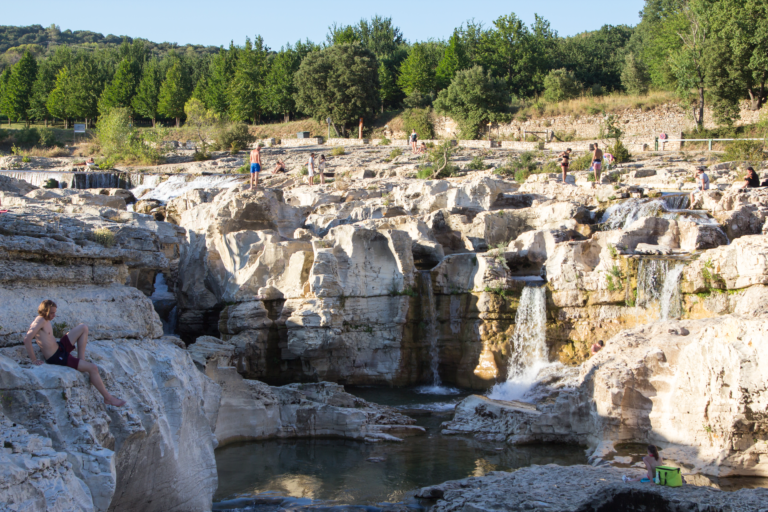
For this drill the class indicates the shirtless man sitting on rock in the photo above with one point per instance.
(57, 352)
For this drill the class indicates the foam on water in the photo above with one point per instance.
(436, 390)
(178, 185)
(528, 346)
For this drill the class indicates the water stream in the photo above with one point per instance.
(175, 186)
(342, 472)
(528, 345)
(429, 317)
(658, 285)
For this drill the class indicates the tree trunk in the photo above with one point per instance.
(46, 121)
(286, 117)
(66, 123)
(700, 120)
(153, 123)
(178, 122)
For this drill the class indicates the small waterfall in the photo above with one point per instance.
(675, 201)
(169, 327)
(620, 216)
(671, 301)
(429, 317)
(658, 282)
(528, 345)
(76, 180)
(651, 274)
(177, 185)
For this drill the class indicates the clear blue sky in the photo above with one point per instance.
(279, 21)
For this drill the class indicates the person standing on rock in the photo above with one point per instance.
(597, 162)
(311, 169)
(414, 138)
(58, 352)
(255, 166)
(565, 157)
(321, 169)
(702, 184)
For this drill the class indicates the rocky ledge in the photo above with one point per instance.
(553, 488)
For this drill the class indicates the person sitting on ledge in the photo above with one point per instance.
(279, 167)
(57, 352)
(751, 180)
(652, 459)
(597, 347)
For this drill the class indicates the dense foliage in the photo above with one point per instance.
(710, 52)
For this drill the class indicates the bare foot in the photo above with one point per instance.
(114, 401)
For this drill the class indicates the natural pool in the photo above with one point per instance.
(351, 472)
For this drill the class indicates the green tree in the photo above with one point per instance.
(5, 76)
(120, 91)
(247, 88)
(59, 101)
(279, 88)
(418, 71)
(174, 92)
(473, 98)
(389, 92)
(561, 84)
(44, 84)
(86, 82)
(18, 91)
(634, 76)
(453, 60)
(202, 121)
(340, 82)
(145, 100)
(221, 71)
(688, 62)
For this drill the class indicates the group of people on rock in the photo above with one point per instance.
(313, 168)
(596, 166)
(751, 180)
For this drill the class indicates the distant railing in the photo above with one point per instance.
(664, 141)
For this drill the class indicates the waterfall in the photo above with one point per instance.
(429, 317)
(177, 185)
(658, 282)
(671, 302)
(164, 303)
(620, 216)
(169, 327)
(76, 180)
(529, 353)
(675, 201)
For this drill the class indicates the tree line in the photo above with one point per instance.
(708, 51)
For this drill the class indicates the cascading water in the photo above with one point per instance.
(175, 186)
(165, 304)
(429, 317)
(658, 283)
(670, 302)
(528, 345)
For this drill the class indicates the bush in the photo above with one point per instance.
(439, 159)
(561, 84)
(581, 163)
(47, 138)
(520, 167)
(337, 151)
(60, 329)
(27, 137)
(304, 171)
(103, 236)
(750, 151)
(385, 142)
(477, 164)
(425, 173)
(620, 152)
(419, 119)
(120, 142)
(51, 183)
(591, 176)
(394, 154)
(26, 159)
(244, 169)
(105, 163)
(232, 137)
(199, 156)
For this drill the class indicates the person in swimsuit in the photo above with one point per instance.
(597, 347)
(414, 140)
(565, 162)
(255, 166)
(321, 169)
(311, 169)
(58, 352)
(652, 459)
(597, 162)
(279, 167)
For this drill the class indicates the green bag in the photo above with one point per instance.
(669, 476)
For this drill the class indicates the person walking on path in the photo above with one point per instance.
(413, 140)
(255, 166)
(58, 352)
(597, 162)
(702, 184)
(311, 169)
(321, 169)
(565, 162)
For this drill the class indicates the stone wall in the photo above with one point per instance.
(312, 141)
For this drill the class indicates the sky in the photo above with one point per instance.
(280, 21)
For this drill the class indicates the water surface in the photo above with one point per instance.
(352, 472)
